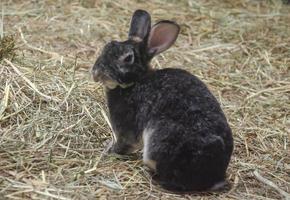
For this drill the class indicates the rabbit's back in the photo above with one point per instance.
(177, 95)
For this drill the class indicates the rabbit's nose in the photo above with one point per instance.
(95, 74)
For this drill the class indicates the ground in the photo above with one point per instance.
(53, 117)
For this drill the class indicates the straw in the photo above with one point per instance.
(54, 122)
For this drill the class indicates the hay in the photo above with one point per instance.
(53, 126)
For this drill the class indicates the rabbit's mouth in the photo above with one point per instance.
(106, 81)
(110, 83)
(113, 84)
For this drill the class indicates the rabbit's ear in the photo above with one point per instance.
(140, 26)
(163, 34)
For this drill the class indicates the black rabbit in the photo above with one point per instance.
(185, 136)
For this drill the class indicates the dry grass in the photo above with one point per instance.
(52, 116)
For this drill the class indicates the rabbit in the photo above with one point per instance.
(169, 113)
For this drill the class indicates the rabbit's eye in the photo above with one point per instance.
(128, 58)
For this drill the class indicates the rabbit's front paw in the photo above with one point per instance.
(108, 144)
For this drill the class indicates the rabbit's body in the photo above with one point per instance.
(168, 113)
(186, 139)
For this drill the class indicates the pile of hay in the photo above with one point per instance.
(53, 121)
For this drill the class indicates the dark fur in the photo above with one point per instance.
(192, 141)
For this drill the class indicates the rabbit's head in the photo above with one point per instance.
(123, 63)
